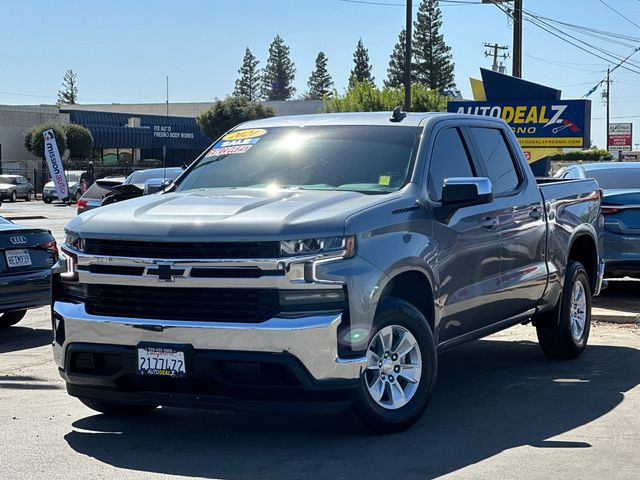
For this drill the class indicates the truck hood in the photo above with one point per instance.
(226, 214)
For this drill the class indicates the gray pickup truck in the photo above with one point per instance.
(323, 260)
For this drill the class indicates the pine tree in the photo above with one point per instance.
(395, 72)
(248, 84)
(432, 57)
(362, 69)
(68, 94)
(320, 81)
(278, 75)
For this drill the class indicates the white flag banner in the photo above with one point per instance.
(55, 164)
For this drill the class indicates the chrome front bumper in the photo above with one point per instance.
(313, 339)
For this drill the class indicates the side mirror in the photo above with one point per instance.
(155, 185)
(463, 192)
(466, 192)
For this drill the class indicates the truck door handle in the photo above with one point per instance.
(489, 223)
(535, 214)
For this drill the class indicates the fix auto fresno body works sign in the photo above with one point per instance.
(560, 123)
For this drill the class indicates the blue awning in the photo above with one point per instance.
(111, 130)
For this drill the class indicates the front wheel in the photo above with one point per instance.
(109, 408)
(28, 197)
(11, 318)
(14, 196)
(401, 369)
(563, 333)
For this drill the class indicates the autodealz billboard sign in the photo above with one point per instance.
(559, 123)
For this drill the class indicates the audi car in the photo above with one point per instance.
(26, 257)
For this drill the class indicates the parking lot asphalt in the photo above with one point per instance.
(500, 409)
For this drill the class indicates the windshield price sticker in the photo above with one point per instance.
(18, 258)
(233, 143)
(214, 152)
(240, 134)
(161, 361)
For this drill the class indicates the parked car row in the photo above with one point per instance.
(272, 269)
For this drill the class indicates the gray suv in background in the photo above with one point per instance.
(324, 259)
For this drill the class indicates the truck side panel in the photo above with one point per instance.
(572, 209)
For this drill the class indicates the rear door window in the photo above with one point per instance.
(498, 161)
(449, 159)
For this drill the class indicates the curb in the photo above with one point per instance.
(614, 316)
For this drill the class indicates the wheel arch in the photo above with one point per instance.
(415, 287)
(583, 248)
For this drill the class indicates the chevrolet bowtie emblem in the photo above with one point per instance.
(165, 272)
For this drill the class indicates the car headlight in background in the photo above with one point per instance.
(327, 246)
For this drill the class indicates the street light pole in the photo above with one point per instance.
(407, 57)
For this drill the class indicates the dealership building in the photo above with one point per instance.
(122, 133)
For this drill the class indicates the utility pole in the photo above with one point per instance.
(495, 47)
(607, 98)
(407, 57)
(516, 15)
(517, 38)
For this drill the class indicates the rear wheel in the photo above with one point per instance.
(563, 333)
(46, 200)
(109, 408)
(11, 318)
(401, 369)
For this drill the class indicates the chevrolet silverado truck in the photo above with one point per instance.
(324, 260)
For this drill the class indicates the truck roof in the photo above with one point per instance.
(413, 119)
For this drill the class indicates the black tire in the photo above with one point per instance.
(555, 328)
(119, 409)
(396, 312)
(14, 196)
(11, 318)
(28, 197)
(46, 200)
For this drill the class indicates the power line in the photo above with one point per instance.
(567, 38)
(447, 3)
(616, 11)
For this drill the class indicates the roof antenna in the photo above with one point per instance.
(398, 115)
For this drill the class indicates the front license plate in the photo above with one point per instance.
(18, 258)
(161, 361)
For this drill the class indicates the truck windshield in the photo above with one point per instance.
(368, 159)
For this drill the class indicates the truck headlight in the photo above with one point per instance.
(73, 240)
(327, 246)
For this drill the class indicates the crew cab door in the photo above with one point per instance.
(520, 211)
(468, 244)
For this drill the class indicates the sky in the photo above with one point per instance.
(123, 50)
